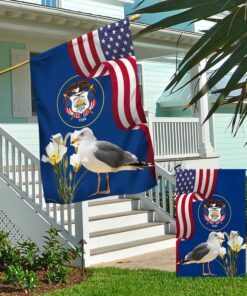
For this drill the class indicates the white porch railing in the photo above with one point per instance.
(164, 193)
(21, 170)
(174, 137)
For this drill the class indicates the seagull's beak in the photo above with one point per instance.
(221, 239)
(74, 141)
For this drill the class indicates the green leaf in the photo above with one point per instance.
(202, 10)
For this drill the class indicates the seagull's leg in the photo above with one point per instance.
(203, 270)
(210, 273)
(98, 186)
(108, 190)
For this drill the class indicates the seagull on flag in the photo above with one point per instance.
(206, 252)
(103, 157)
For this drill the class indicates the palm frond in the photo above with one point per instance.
(223, 45)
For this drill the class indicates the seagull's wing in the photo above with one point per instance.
(198, 252)
(113, 155)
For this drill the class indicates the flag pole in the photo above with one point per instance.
(131, 19)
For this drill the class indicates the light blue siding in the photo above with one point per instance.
(232, 152)
(156, 76)
(6, 113)
(26, 134)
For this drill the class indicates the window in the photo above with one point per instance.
(51, 3)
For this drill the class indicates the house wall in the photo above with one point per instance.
(232, 152)
(156, 76)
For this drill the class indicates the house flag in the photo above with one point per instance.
(210, 220)
(94, 139)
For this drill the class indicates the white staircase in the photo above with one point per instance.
(114, 227)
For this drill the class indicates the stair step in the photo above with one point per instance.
(115, 215)
(128, 245)
(109, 201)
(124, 229)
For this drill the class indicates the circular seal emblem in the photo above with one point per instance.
(80, 102)
(214, 214)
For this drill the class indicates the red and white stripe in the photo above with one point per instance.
(203, 189)
(86, 54)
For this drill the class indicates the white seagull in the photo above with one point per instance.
(103, 157)
(206, 252)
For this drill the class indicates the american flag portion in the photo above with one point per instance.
(109, 51)
(192, 186)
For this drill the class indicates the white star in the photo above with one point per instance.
(108, 45)
(122, 29)
(101, 29)
(123, 49)
(130, 54)
(125, 22)
(106, 34)
(103, 40)
(125, 42)
(107, 52)
(127, 35)
(113, 32)
(131, 46)
(109, 26)
(117, 24)
(121, 55)
(113, 57)
(111, 39)
(114, 50)
(119, 37)
(117, 44)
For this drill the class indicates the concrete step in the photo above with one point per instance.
(126, 234)
(112, 221)
(129, 249)
(111, 206)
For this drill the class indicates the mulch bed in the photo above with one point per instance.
(75, 277)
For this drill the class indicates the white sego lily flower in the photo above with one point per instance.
(75, 162)
(55, 152)
(233, 234)
(58, 138)
(222, 252)
(235, 242)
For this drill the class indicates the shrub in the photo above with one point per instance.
(55, 256)
(28, 255)
(23, 278)
(57, 273)
(8, 254)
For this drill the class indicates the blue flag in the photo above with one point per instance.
(210, 219)
(94, 139)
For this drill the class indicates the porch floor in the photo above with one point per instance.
(162, 260)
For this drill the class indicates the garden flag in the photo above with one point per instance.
(94, 140)
(210, 220)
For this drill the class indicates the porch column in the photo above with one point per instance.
(201, 110)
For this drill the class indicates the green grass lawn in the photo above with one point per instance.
(125, 282)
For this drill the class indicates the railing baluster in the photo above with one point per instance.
(40, 189)
(7, 157)
(26, 176)
(33, 182)
(13, 163)
(62, 215)
(171, 205)
(1, 154)
(55, 212)
(163, 180)
(69, 219)
(19, 168)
